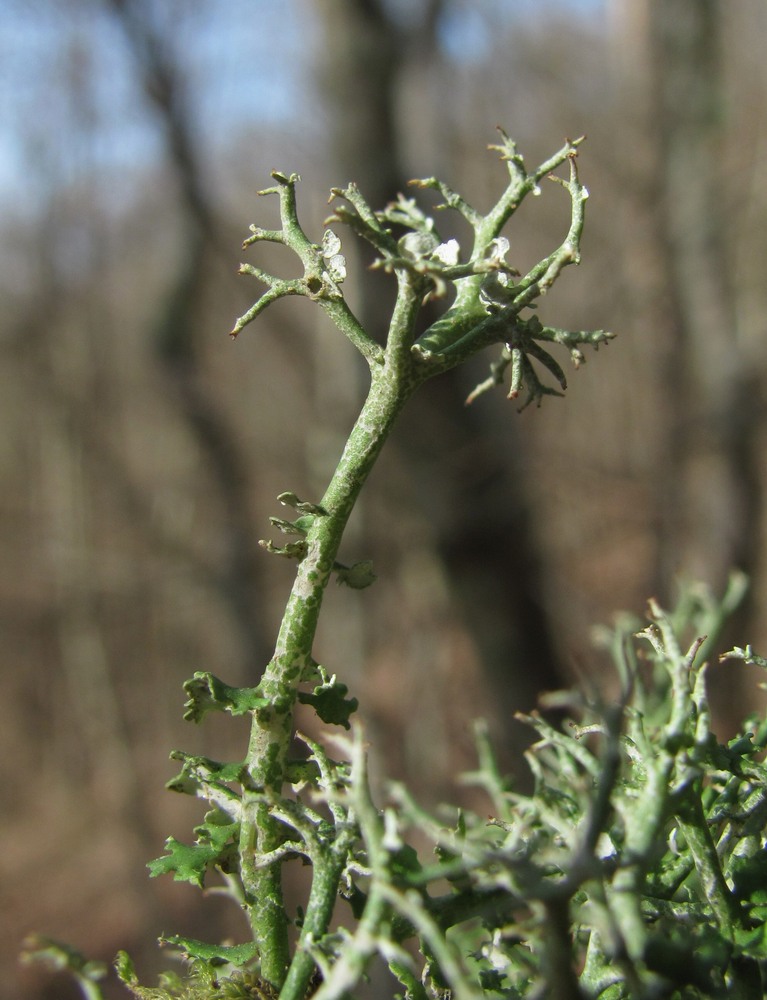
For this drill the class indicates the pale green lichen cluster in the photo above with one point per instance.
(635, 868)
(270, 808)
(489, 297)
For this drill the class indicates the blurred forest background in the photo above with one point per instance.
(142, 451)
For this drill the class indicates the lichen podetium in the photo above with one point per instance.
(489, 307)
(263, 809)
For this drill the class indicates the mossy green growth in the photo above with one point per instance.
(270, 809)
(635, 868)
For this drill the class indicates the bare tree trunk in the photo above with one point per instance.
(709, 495)
(712, 524)
(485, 546)
(176, 336)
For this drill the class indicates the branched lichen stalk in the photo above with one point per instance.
(273, 725)
(636, 866)
(486, 311)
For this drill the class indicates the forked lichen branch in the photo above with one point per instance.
(271, 806)
(635, 867)
(489, 298)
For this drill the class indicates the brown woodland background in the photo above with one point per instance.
(142, 451)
